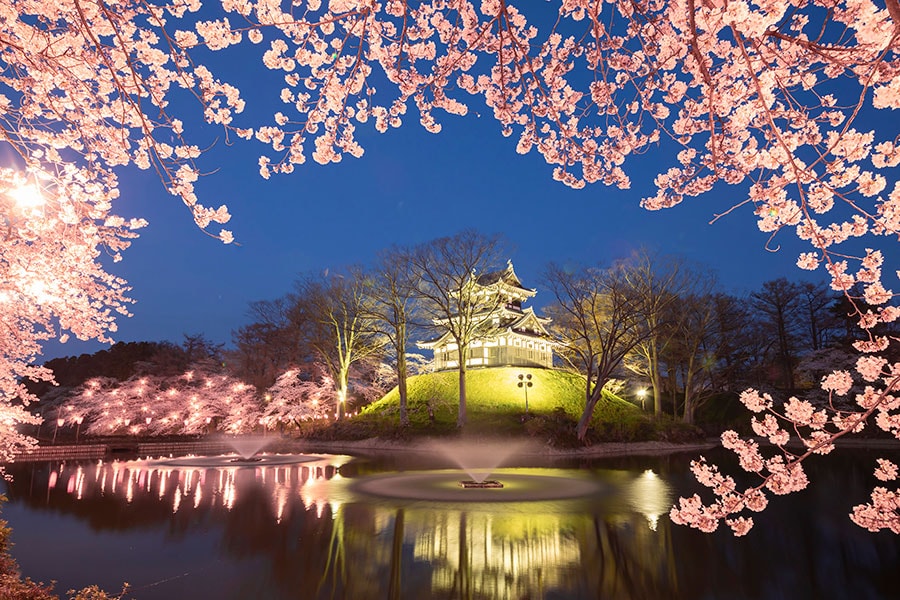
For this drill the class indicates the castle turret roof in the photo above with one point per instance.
(507, 276)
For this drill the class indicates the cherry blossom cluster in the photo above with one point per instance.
(200, 401)
(52, 283)
(884, 510)
(296, 397)
(84, 91)
(196, 402)
(816, 430)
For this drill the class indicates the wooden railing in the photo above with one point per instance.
(131, 448)
(69, 451)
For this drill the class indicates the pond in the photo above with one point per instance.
(335, 526)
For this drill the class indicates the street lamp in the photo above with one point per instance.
(642, 394)
(525, 382)
(59, 421)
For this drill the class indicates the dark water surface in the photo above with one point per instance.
(323, 529)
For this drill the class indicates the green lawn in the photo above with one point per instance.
(496, 405)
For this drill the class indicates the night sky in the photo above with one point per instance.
(409, 187)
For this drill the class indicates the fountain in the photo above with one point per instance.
(248, 447)
(487, 483)
(479, 460)
(246, 454)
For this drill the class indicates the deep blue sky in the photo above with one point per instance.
(409, 187)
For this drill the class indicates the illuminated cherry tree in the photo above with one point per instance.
(770, 95)
(195, 402)
(297, 396)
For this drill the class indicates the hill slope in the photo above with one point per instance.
(496, 403)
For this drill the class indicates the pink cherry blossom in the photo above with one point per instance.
(838, 382)
(886, 471)
(871, 367)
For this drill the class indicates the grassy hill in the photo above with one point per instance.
(496, 405)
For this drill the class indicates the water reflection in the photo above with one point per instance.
(303, 531)
(201, 488)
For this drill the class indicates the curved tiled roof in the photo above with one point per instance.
(507, 276)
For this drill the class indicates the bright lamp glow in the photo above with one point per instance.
(27, 196)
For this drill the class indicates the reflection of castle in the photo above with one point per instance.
(492, 555)
(509, 335)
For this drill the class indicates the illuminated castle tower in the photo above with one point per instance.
(509, 335)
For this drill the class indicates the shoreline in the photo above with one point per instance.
(218, 445)
(651, 448)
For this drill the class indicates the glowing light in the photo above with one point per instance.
(642, 394)
(27, 196)
(38, 291)
(129, 490)
(651, 496)
(79, 483)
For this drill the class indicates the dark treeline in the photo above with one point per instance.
(124, 360)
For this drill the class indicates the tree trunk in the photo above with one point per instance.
(396, 557)
(464, 573)
(688, 397)
(461, 414)
(585, 420)
(784, 351)
(343, 384)
(654, 377)
(401, 388)
(671, 382)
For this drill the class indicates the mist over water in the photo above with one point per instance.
(479, 458)
(248, 446)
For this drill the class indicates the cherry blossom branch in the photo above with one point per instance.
(787, 476)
